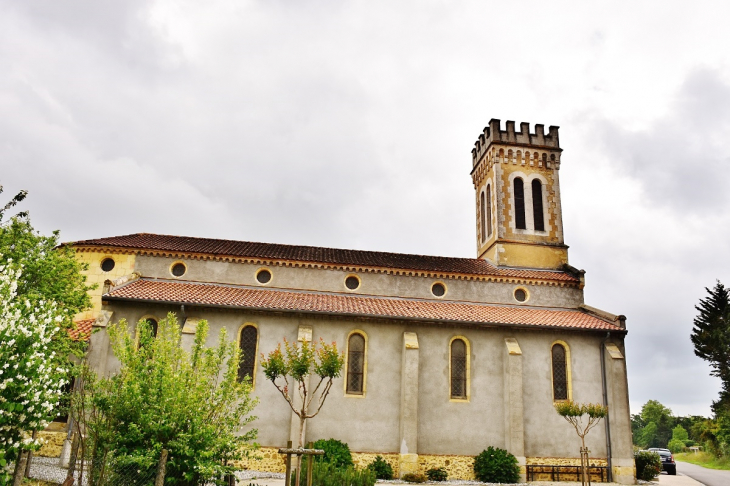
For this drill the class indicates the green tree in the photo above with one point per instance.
(13, 202)
(659, 423)
(711, 337)
(190, 403)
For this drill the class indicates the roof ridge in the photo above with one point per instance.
(287, 245)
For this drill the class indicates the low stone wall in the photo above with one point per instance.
(265, 459)
(458, 467)
(362, 459)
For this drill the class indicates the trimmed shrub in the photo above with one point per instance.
(648, 465)
(327, 474)
(496, 465)
(414, 478)
(381, 468)
(335, 452)
(437, 474)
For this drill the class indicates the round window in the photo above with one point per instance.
(438, 289)
(520, 295)
(352, 282)
(263, 276)
(178, 269)
(107, 265)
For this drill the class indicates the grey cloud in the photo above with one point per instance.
(679, 159)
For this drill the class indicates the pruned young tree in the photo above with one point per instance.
(573, 413)
(297, 362)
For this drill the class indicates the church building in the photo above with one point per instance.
(444, 356)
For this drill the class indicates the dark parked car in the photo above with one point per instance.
(668, 463)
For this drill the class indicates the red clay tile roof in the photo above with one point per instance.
(314, 254)
(83, 329)
(354, 305)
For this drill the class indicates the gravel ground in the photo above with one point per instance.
(47, 469)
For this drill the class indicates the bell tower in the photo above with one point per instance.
(519, 217)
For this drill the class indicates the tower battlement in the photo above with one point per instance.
(493, 134)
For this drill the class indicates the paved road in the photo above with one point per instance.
(708, 477)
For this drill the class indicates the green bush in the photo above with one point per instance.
(414, 478)
(496, 465)
(327, 474)
(675, 445)
(437, 474)
(381, 468)
(648, 465)
(335, 452)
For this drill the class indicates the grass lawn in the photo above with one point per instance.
(704, 459)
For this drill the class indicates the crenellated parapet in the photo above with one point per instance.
(493, 134)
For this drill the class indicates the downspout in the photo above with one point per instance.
(605, 404)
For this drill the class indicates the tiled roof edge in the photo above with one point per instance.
(367, 316)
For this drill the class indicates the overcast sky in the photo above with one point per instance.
(350, 124)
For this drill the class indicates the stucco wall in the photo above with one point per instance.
(371, 423)
(371, 283)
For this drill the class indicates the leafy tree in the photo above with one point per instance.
(191, 404)
(298, 362)
(711, 337)
(679, 433)
(50, 271)
(14, 201)
(658, 421)
(31, 379)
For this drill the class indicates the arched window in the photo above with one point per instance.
(459, 369)
(519, 204)
(560, 372)
(483, 209)
(537, 212)
(356, 364)
(247, 342)
(489, 211)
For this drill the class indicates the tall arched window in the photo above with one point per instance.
(519, 204)
(356, 364)
(537, 213)
(483, 209)
(560, 372)
(459, 369)
(489, 211)
(247, 342)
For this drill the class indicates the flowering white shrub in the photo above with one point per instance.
(31, 379)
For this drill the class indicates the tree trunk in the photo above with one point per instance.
(302, 420)
(20, 468)
(30, 456)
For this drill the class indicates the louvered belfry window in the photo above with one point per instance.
(537, 212)
(560, 373)
(519, 204)
(458, 369)
(247, 343)
(355, 364)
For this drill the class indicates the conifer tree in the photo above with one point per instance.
(711, 337)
